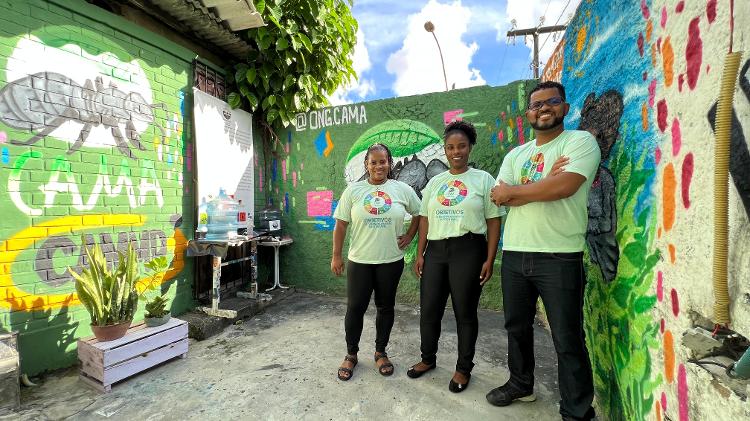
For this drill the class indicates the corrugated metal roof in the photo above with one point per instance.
(214, 21)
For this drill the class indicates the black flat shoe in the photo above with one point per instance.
(415, 374)
(458, 387)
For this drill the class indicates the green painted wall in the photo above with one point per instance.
(308, 169)
(64, 64)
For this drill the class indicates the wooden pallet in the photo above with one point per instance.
(105, 363)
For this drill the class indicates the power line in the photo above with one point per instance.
(556, 22)
(535, 33)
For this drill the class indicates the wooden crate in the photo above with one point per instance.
(105, 363)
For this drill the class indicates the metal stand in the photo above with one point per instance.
(216, 266)
(276, 244)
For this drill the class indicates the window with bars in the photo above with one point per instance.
(208, 81)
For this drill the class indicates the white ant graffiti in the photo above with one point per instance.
(42, 102)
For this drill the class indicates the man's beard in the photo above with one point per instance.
(546, 126)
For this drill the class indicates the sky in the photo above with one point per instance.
(395, 56)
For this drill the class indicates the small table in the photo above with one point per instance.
(276, 244)
(217, 250)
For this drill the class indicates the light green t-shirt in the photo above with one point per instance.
(375, 214)
(457, 204)
(556, 226)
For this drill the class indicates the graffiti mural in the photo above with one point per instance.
(45, 101)
(642, 81)
(94, 140)
(416, 148)
(601, 117)
(325, 151)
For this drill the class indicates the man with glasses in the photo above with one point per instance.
(543, 251)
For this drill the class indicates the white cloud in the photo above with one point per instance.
(417, 64)
(485, 18)
(527, 14)
(356, 90)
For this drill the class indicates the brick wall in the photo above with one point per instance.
(94, 141)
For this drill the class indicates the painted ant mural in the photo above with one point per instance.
(44, 101)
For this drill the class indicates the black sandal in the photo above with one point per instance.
(345, 370)
(383, 369)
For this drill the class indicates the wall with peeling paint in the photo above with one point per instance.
(93, 134)
(646, 80)
(325, 149)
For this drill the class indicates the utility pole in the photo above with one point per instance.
(535, 33)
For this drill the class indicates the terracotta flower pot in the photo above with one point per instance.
(111, 332)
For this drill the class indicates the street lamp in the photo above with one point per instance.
(430, 27)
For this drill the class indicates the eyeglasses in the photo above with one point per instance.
(554, 101)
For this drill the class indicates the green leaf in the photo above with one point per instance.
(250, 75)
(234, 100)
(305, 41)
(252, 99)
(272, 115)
(282, 44)
(239, 74)
(260, 6)
(276, 84)
(275, 16)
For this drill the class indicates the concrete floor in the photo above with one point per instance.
(281, 365)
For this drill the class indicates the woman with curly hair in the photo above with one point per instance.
(375, 208)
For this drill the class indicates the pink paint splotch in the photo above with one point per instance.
(519, 126)
(687, 177)
(661, 114)
(662, 326)
(711, 11)
(680, 81)
(694, 52)
(644, 9)
(663, 21)
(676, 137)
(294, 178)
(660, 286)
(319, 203)
(3, 137)
(651, 92)
(640, 44)
(663, 401)
(283, 170)
(675, 302)
(452, 115)
(657, 155)
(682, 392)
(680, 6)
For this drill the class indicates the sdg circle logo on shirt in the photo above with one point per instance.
(531, 172)
(377, 203)
(452, 193)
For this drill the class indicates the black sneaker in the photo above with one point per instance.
(507, 394)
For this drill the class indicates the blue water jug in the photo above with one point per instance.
(222, 214)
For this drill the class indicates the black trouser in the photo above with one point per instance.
(560, 280)
(452, 266)
(362, 279)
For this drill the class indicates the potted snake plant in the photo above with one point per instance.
(156, 308)
(109, 294)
